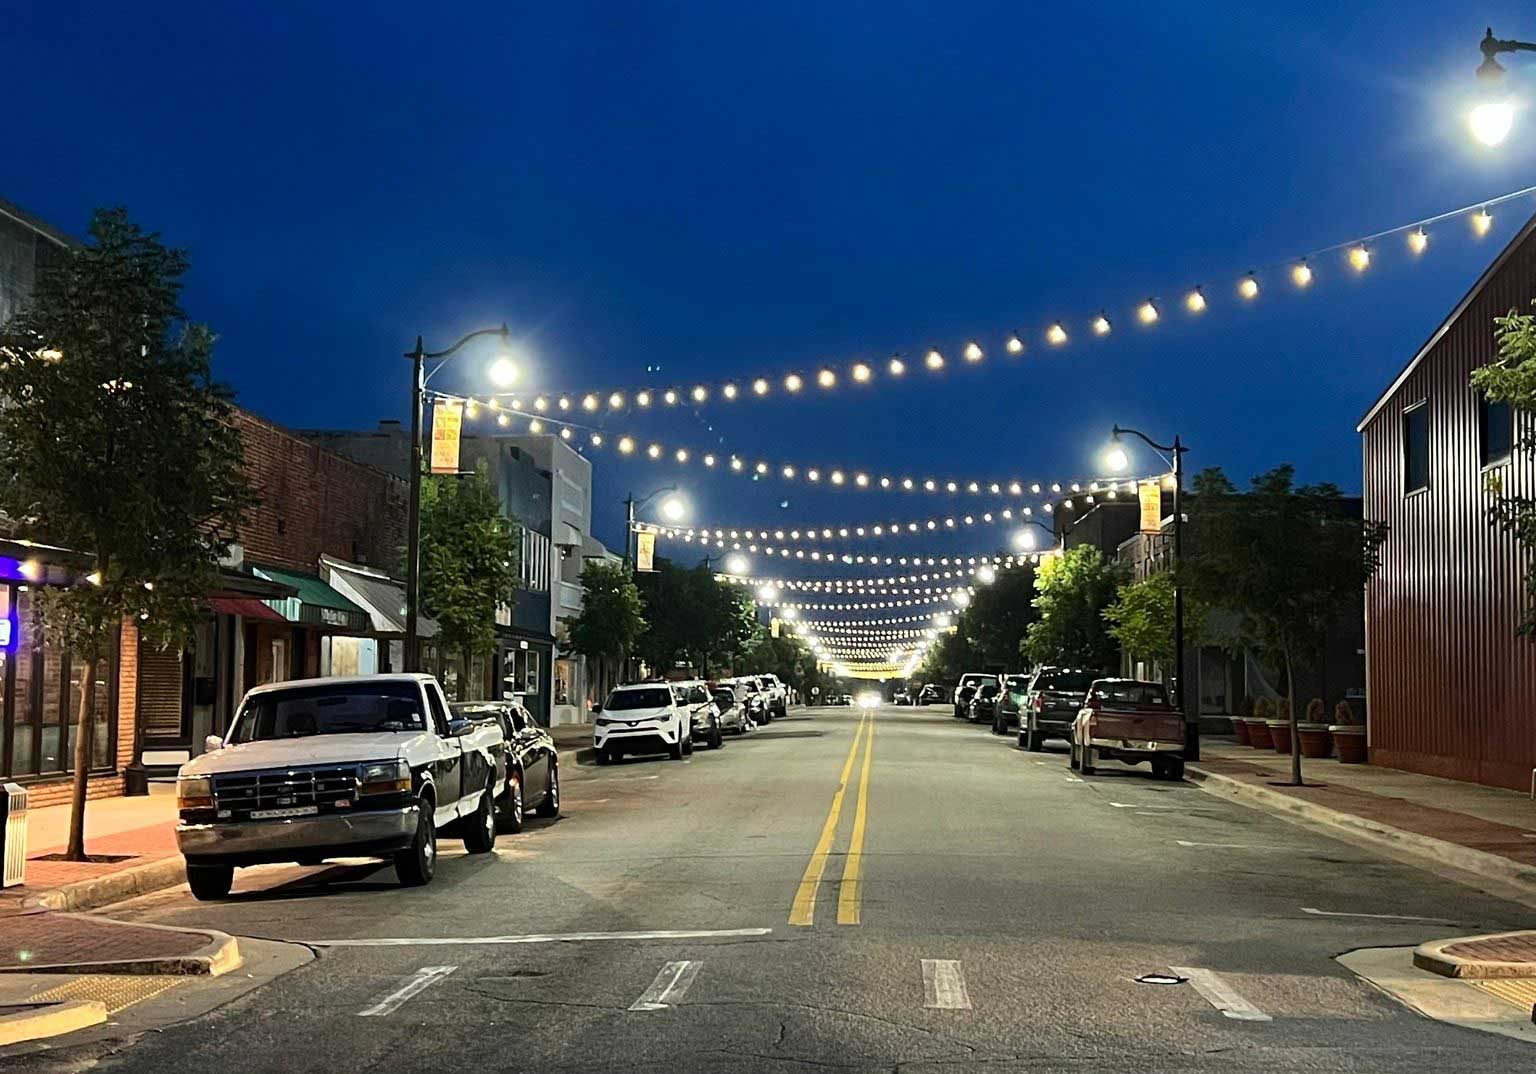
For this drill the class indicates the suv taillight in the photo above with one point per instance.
(1039, 703)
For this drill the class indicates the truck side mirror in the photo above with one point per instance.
(457, 726)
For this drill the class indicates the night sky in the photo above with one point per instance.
(721, 191)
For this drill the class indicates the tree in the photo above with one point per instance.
(115, 441)
(1141, 618)
(692, 617)
(469, 561)
(1073, 590)
(1000, 615)
(786, 656)
(611, 619)
(1511, 378)
(951, 655)
(1286, 558)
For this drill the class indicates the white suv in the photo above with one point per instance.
(644, 717)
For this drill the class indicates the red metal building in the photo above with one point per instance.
(1451, 688)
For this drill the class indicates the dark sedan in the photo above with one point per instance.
(983, 706)
(1010, 703)
(528, 772)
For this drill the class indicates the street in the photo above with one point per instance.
(1002, 912)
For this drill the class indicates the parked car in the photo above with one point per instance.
(1051, 704)
(983, 706)
(528, 770)
(778, 692)
(642, 717)
(1131, 721)
(902, 697)
(731, 702)
(758, 699)
(1009, 703)
(366, 766)
(703, 713)
(932, 694)
(840, 699)
(969, 682)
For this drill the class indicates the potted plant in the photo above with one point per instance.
(1258, 725)
(1348, 734)
(1315, 739)
(1240, 720)
(1280, 725)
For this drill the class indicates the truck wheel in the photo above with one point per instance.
(511, 817)
(480, 829)
(1085, 764)
(417, 863)
(209, 882)
(1033, 741)
(716, 737)
(550, 806)
(1072, 754)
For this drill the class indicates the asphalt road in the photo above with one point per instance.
(1004, 909)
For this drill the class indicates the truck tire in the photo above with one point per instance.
(550, 806)
(1072, 754)
(511, 817)
(1085, 764)
(417, 863)
(1032, 740)
(210, 882)
(480, 829)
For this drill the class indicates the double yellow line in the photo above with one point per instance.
(803, 909)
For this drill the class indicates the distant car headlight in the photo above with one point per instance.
(869, 700)
(194, 792)
(385, 777)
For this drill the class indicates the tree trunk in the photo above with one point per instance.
(76, 849)
(1290, 702)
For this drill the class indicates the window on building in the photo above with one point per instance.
(1416, 448)
(1495, 431)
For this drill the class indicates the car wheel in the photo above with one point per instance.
(1032, 740)
(1085, 763)
(1023, 740)
(603, 756)
(550, 806)
(716, 738)
(688, 744)
(480, 829)
(512, 811)
(675, 751)
(998, 726)
(417, 864)
(209, 882)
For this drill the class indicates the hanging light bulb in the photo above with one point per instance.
(826, 378)
(896, 366)
(541, 404)
(1359, 258)
(1482, 220)
(934, 360)
(597, 439)
(1194, 301)
(504, 420)
(626, 445)
(654, 451)
(861, 372)
(729, 391)
(700, 393)
(1418, 240)
(793, 382)
(1056, 335)
(669, 397)
(565, 431)
(973, 351)
(1147, 312)
(589, 402)
(1015, 345)
(986, 575)
(1101, 325)
(1249, 287)
(1301, 273)
(565, 403)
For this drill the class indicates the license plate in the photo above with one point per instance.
(292, 811)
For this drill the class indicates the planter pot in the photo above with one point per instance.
(1280, 735)
(1315, 740)
(1349, 740)
(1240, 729)
(1258, 735)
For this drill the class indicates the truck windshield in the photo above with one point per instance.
(1130, 693)
(656, 697)
(330, 710)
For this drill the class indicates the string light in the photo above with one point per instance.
(861, 373)
(760, 386)
(826, 378)
(1301, 273)
(1015, 345)
(896, 366)
(1418, 240)
(700, 393)
(1359, 258)
(1249, 287)
(1482, 221)
(1195, 301)
(1056, 335)
(934, 360)
(1147, 312)
(793, 382)
(973, 351)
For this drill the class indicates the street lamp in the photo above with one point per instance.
(1026, 541)
(1492, 119)
(674, 509)
(737, 563)
(1116, 454)
(419, 356)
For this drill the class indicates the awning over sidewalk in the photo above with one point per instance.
(316, 604)
(249, 607)
(381, 596)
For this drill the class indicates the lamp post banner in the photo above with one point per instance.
(1151, 493)
(645, 551)
(447, 423)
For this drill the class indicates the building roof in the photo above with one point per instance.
(1455, 315)
(380, 595)
(36, 223)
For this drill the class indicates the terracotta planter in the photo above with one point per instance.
(1349, 740)
(1315, 740)
(1258, 735)
(1240, 729)
(1280, 735)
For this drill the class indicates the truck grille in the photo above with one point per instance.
(321, 787)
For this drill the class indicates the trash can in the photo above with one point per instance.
(13, 818)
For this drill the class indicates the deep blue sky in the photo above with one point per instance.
(725, 190)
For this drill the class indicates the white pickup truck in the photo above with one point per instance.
(370, 766)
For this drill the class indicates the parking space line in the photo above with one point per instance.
(420, 981)
(848, 894)
(1221, 995)
(539, 937)
(1314, 911)
(803, 910)
(944, 985)
(670, 985)
(1236, 846)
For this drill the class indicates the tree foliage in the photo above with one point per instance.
(951, 655)
(612, 613)
(1511, 378)
(692, 618)
(1141, 618)
(1000, 615)
(470, 555)
(1288, 559)
(1072, 591)
(786, 656)
(115, 441)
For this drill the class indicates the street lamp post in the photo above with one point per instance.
(631, 505)
(1492, 119)
(419, 356)
(1176, 450)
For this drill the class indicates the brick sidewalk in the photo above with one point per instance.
(1514, 947)
(138, 831)
(53, 939)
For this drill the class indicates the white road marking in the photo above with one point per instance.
(944, 985)
(1073, 779)
(1384, 917)
(1133, 805)
(539, 937)
(423, 979)
(1221, 995)
(1236, 846)
(670, 985)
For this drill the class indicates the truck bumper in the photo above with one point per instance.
(373, 833)
(1133, 746)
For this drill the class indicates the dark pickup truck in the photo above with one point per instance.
(1051, 704)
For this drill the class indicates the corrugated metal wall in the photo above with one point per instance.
(1452, 690)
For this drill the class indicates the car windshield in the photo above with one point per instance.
(650, 697)
(989, 689)
(1018, 682)
(723, 697)
(1065, 680)
(340, 709)
(1130, 693)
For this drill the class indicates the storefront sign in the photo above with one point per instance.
(447, 423)
(645, 551)
(1151, 494)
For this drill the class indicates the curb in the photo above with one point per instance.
(112, 887)
(220, 955)
(1431, 956)
(50, 1020)
(1441, 852)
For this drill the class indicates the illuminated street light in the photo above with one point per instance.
(767, 594)
(1116, 459)
(1491, 121)
(673, 509)
(737, 564)
(503, 372)
(1025, 540)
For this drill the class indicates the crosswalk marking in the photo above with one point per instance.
(670, 985)
(420, 981)
(944, 985)
(1220, 995)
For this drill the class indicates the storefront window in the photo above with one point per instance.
(23, 735)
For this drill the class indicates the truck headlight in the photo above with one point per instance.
(194, 792)
(385, 777)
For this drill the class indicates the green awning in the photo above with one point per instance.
(316, 604)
